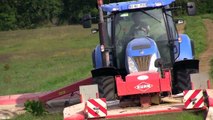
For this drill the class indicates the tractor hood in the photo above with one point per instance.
(141, 54)
(141, 47)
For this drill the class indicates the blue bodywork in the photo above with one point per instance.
(141, 47)
(97, 59)
(186, 48)
(122, 6)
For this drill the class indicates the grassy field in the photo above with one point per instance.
(28, 116)
(49, 58)
(209, 16)
(44, 59)
(195, 29)
(171, 116)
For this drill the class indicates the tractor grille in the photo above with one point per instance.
(142, 62)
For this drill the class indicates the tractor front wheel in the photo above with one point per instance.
(106, 87)
(182, 71)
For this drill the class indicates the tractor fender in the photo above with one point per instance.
(186, 48)
(186, 64)
(105, 71)
(96, 57)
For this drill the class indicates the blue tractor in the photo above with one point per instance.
(140, 36)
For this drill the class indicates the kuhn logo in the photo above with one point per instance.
(143, 77)
(143, 86)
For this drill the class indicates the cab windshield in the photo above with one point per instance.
(135, 24)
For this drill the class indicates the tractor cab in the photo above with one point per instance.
(136, 33)
(141, 36)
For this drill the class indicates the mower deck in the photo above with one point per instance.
(118, 112)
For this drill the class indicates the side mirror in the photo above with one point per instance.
(86, 21)
(191, 9)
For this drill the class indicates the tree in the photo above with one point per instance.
(73, 10)
(7, 15)
(33, 13)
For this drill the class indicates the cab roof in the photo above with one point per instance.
(121, 6)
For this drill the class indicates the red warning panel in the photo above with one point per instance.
(96, 108)
(193, 99)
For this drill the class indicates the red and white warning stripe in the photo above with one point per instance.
(96, 108)
(193, 99)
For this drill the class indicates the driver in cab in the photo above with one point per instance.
(139, 28)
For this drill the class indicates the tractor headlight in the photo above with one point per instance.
(132, 66)
(152, 63)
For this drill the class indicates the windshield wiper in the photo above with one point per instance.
(151, 16)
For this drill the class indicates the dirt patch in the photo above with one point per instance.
(207, 55)
(9, 111)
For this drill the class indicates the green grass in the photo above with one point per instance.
(207, 16)
(170, 116)
(27, 116)
(44, 59)
(195, 29)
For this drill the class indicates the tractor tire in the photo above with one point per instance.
(182, 80)
(106, 87)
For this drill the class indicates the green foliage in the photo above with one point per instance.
(34, 13)
(36, 108)
(31, 14)
(7, 15)
(204, 6)
(73, 10)
(28, 14)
